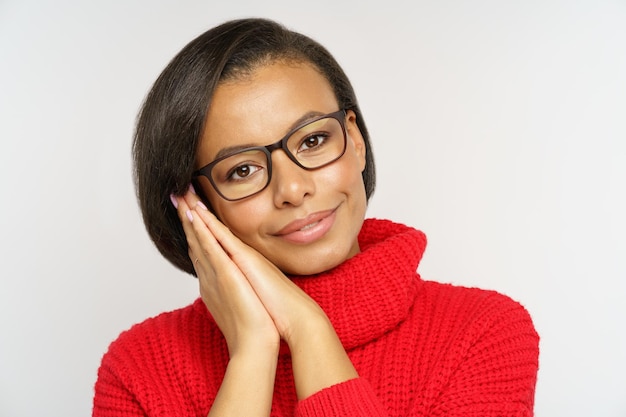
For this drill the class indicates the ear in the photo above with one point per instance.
(356, 138)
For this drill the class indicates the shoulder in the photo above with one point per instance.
(483, 346)
(478, 300)
(476, 312)
(157, 356)
(168, 330)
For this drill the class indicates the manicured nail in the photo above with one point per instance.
(174, 200)
(201, 204)
(193, 190)
(189, 215)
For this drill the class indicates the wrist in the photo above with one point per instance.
(256, 347)
(318, 358)
(311, 330)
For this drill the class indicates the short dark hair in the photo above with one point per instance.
(171, 119)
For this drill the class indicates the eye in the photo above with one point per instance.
(241, 172)
(313, 142)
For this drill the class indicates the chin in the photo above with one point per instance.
(329, 260)
(307, 271)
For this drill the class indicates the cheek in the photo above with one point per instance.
(345, 175)
(240, 218)
(244, 220)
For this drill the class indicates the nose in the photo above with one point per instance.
(291, 184)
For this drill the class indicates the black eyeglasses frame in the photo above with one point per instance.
(205, 171)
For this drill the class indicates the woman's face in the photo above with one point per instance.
(305, 222)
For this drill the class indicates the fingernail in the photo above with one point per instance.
(201, 204)
(174, 200)
(189, 215)
(193, 190)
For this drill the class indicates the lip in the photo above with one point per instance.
(308, 229)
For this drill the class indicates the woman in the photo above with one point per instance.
(253, 171)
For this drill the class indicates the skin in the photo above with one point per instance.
(240, 258)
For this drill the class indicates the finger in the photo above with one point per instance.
(204, 249)
(266, 279)
(230, 243)
(192, 199)
(202, 242)
(226, 292)
(186, 217)
(208, 249)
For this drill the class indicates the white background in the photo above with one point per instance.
(499, 129)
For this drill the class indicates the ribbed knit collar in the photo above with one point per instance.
(372, 292)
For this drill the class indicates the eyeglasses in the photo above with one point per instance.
(312, 145)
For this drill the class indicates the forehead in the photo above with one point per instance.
(262, 107)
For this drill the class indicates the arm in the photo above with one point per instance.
(237, 394)
(318, 357)
(495, 364)
(250, 333)
(111, 398)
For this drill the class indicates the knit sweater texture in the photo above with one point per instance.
(421, 348)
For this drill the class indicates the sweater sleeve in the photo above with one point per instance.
(111, 397)
(351, 398)
(149, 369)
(487, 351)
(497, 368)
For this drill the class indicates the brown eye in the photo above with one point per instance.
(241, 172)
(313, 142)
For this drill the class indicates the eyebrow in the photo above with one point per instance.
(234, 149)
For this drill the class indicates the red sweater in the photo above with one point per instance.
(421, 348)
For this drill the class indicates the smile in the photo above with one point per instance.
(310, 228)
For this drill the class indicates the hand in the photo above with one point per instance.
(290, 308)
(227, 294)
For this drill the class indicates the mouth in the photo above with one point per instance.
(309, 228)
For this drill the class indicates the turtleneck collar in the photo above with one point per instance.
(373, 291)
